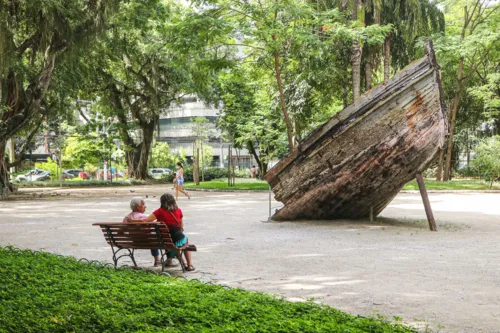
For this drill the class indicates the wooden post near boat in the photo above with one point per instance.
(427, 204)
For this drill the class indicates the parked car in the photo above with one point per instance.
(41, 177)
(159, 172)
(32, 175)
(67, 175)
(74, 172)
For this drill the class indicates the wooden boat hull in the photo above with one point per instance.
(361, 158)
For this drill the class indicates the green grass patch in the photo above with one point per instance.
(41, 292)
(84, 183)
(254, 184)
(240, 184)
(455, 184)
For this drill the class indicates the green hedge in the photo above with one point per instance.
(210, 174)
(42, 292)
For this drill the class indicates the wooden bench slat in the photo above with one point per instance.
(128, 223)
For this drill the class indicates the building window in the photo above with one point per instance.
(183, 120)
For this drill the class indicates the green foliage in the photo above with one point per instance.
(85, 151)
(487, 158)
(140, 73)
(161, 156)
(210, 173)
(455, 184)
(45, 286)
(489, 94)
(202, 131)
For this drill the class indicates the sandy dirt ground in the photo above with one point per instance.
(446, 281)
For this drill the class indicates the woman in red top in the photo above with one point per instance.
(171, 215)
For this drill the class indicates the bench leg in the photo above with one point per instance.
(130, 254)
(178, 255)
(163, 259)
(115, 260)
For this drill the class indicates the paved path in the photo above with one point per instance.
(394, 267)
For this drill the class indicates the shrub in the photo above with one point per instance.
(487, 159)
(212, 173)
(42, 292)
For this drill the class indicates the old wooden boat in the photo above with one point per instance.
(358, 161)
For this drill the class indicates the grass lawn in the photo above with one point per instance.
(240, 184)
(455, 184)
(254, 184)
(41, 292)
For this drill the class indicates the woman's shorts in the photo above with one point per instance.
(180, 182)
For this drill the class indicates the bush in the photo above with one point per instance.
(468, 171)
(42, 292)
(210, 173)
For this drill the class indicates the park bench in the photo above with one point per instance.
(125, 238)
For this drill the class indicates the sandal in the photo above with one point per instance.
(157, 264)
(173, 264)
(190, 268)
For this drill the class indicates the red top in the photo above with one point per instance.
(163, 215)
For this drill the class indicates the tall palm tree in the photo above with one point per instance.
(411, 19)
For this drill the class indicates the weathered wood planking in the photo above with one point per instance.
(364, 155)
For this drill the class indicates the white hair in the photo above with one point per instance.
(135, 202)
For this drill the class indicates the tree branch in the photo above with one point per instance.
(26, 144)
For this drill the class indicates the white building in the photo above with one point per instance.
(176, 128)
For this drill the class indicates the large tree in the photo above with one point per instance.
(470, 44)
(34, 36)
(140, 72)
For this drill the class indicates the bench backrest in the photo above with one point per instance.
(136, 235)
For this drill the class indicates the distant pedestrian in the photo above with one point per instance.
(253, 171)
(179, 180)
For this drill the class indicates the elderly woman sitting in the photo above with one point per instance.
(138, 207)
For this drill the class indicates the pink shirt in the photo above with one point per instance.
(134, 216)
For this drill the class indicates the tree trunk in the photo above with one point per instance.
(356, 52)
(454, 108)
(196, 166)
(5, 185)
(368, 71)
(387, 57)
(439, 171)
(262, 165)
(467, 150)
(289, 128)
(345, 95)
(137, 158)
